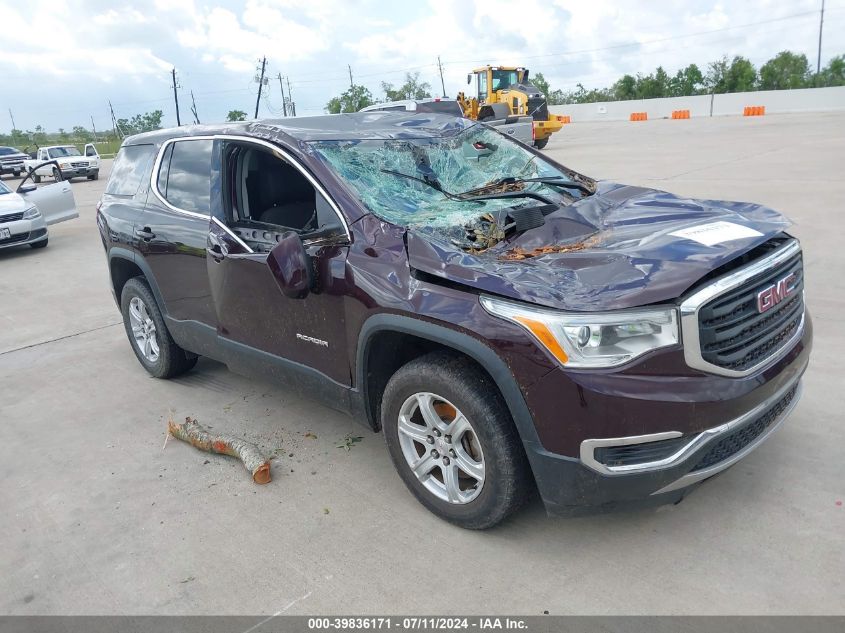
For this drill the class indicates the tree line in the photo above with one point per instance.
(785, 71)
(38, 136)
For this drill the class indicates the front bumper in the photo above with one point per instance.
(12, 168)
(79, 172)
(24, 232)
(705, 437)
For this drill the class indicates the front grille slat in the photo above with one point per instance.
(734, 335)
(11, 217)
(741, 336)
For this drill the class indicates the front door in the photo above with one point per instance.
(55, 201)
(304, 338)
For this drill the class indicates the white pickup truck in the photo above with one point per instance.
(67, 162)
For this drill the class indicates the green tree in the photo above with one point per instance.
(625, 88)
(81, 134)
(686, 82)
(236, 115)
(738, 76)
(542, 84)
(785, 71)
(413, 88)
(832, 75)
(355, 98)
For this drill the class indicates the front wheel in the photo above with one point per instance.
(540, 144)
(94, 176)
(452, 441)
(16, 174)
(148, 334)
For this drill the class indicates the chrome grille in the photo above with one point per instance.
(725, 332)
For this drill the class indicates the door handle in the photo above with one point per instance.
(145, 234)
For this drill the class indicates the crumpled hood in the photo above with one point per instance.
(631, 246)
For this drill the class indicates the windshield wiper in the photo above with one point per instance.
(426, 181)
(554, 181)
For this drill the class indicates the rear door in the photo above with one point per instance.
(173, 230)
(55, 201)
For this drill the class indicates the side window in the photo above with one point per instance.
(184, 176)
(268, 193)
(130, 169)
(482, 86)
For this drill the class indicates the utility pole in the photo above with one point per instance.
(115, 127)
(194, 109)
(290, 96)
(442, 84)
(176, 97)
(93, 127)
(260, 85)
(284, 105)
(351, 85)
(819, 59)
(12, 116)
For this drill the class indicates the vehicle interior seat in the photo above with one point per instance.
(279, 194)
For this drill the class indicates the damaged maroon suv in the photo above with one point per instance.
(508, 323)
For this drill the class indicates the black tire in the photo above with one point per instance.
(36, 178)
(16, 174)
(94, 176)
(541, 143)
(172, 359)
(57, 175)
(41, 244)
(507, 479)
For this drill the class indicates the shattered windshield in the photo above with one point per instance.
(414, 182)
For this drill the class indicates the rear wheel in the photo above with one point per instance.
(453, 442)
(148, 334)
(541, 143)
(35, 177)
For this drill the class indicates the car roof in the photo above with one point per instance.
(330, 127)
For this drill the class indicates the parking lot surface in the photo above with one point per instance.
(99, 517)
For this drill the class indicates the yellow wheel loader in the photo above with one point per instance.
(504, 91)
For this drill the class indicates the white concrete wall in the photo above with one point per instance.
(776, 101)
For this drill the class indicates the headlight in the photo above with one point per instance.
(31, 214)
(592, 339)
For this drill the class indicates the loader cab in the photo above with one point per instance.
(490, 80)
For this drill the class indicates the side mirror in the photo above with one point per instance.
(469, 79)
(291, 266)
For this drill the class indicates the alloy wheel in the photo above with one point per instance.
(143, 329)
(441, 448)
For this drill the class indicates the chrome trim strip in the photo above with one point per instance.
(244, 139)
(231, 233)
(691, 306)
(700, 475)
(587, 451)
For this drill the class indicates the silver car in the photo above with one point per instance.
(26, 212)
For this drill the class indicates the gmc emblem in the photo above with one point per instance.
(774, 294)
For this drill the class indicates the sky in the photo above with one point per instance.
(61, 61)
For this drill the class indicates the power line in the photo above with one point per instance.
(640, 43)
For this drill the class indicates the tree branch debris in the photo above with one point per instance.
(192, 432)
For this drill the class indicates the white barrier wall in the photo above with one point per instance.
(776, 101)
